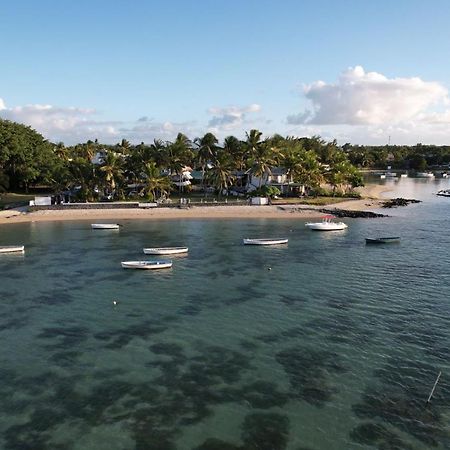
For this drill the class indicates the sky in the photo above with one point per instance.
(362, 72)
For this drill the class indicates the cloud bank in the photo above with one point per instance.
(369, 98)
(73, 125)
(367, 107)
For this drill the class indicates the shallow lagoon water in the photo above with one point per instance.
(337, 346)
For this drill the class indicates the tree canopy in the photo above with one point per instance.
(94, 169)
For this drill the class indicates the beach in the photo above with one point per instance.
(371, 200)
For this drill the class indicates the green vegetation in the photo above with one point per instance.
(416, 157)
(94, 171)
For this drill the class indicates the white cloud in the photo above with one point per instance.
(369, 98)
(369, 108)
(73, 125)
(69, 125)
(230, 117)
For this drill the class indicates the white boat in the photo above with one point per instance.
(265, 241)
(149, 265)
(327, 224)
(425, 174)
(391, 174)
(404, 175)
(383, 176)
(165, 250)
(105, 226)
(444, 193)
(12, 249)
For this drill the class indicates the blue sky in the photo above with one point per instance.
(148, 69)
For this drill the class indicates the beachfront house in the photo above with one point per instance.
(183, 178)
(277, 177)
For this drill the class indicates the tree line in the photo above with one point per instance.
(27, 159)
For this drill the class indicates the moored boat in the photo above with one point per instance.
(425, 175)
(383, 240)
(444, 193)
(149, 265)
(165, 250)
(327, 224)
(105, 226)
(12, 249)
(265, 241)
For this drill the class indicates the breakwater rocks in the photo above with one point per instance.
(393, 203)
(352, 214)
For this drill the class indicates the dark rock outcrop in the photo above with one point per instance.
(352, 214)
(394, 202)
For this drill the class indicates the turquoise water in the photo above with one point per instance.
(336, 347)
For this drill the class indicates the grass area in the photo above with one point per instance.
(11, 199)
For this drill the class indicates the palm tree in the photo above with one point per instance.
(160, 153)
(235, 148)
(86, 151)
(206, 152)
(340, 174)
(262, 156)
(302, 165)
(61, 151)
(113, 169)
(135, 161)
(123, 147)
(221, 174)
(82, 173)
(180, 154)
(156, 185)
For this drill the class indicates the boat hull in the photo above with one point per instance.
(105, 226)
(326, 226)
(424, 175)
(384, 240)
(265, 241)
(165, 250)
(146, 265)
(12, 249)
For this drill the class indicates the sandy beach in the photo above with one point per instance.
(370, 201)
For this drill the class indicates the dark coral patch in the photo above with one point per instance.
(308, 371)
(265, 431)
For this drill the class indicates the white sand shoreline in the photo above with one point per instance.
(370, 201)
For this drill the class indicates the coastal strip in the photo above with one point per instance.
(370, 201)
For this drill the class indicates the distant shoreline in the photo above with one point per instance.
(372, 196)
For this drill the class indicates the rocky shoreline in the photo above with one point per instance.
(352, 213)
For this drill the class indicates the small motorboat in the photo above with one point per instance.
(327, 224)
(383, 240)
(265, 241)
(105, 226)
(149, 265)
(12, 249)
(444, 193)
(165, 250)
(425, 175)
